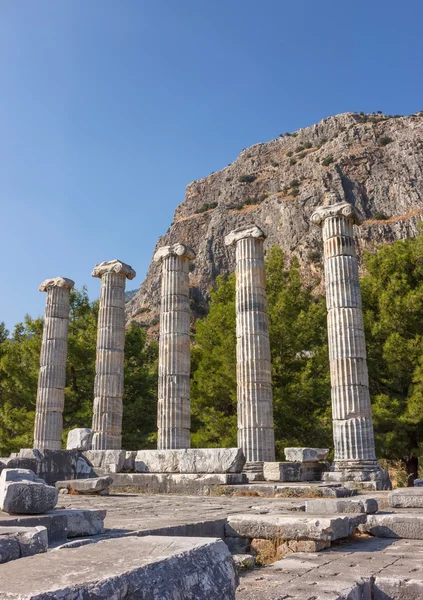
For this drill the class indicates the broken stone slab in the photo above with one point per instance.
(287, 527)
(394, 525)
(306, 454)
(17, 542)
(282, 471)
(50, 465)
(79, 439)
(146, 568)
(294, 471)
(61, 523)
(110, 461)
(22, 492)
(95, 485)
(411, 497)
(190, 461)
(351, 506)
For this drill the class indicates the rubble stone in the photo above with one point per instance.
(79, 439)
(22, 492)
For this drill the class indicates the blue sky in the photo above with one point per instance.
(109, 108)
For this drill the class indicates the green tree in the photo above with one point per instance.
(140, 395)
(213, 360)
(392, 292)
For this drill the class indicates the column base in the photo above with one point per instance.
(254, 471)
(362, 474)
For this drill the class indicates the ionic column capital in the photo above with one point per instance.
(249, 231)
(113, 266)
(340, 209)
(62, 282)
(179, 250)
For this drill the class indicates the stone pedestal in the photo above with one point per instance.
(254, 383)
(108, 386)
(52, 377)
(173, 409)
(355, 458)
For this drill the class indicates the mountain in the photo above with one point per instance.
(373, 161)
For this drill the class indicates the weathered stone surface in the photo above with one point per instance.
(21, 492)
(418, 482)
(306, 454)
(111, 461)
(395, 525)
(51, 380)
(79, 439)
(175, 483)
(243, 561)
(17, 542)
(293, 546)
(282, 471)
(85, 522)
(93, 485)
(129, 464)
(406, 498)
(173, 406)
(108, 385)
(294, 471)
(350, 506)
(50, 465)
(287, 527)
(146, 568)
(191, 460)
(254, 381)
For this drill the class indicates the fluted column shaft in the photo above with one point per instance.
(254, 381)
(351, 408)
(52, 377)
(173, 409)
(109, 377)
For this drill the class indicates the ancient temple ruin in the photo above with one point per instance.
(52, 376)
(355, 457)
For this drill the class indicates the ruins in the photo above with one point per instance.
(173, 405)
(108, 386)
(254, 378)
(196, 548)
(52, 376)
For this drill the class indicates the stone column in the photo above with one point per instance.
(254, 381)
(108, 386)
(52, 377)
(355, 457)
(173, 409)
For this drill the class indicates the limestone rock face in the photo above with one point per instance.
(306, 454)
(22, 492)
(383, 180)
(191, 460)
(79, 439)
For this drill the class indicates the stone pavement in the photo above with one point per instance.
(362, 569)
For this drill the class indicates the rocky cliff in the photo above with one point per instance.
(372, 161)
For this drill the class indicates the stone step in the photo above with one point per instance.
(286, 527)
(394, 525)
(60, 524)
(17, 542)
(146, 568)
(291, 490)
(174, 483)
(411, 497)
(351, 506)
